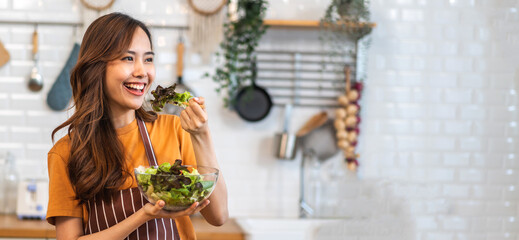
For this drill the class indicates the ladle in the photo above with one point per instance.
(35, 80)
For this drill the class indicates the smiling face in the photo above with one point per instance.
(130, 76)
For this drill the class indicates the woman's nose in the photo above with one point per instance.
(138, 70)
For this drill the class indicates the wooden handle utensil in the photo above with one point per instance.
(35, 42)
(312, 123)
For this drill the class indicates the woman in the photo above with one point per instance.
(93, 193)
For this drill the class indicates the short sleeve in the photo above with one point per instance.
(62, 200)
(186, 146)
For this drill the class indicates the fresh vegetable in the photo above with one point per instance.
(168, 95)
(174, 184)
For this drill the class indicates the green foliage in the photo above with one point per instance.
(346, 17)
(345, 22)
(241, 37)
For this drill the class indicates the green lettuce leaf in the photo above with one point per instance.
(167, 95)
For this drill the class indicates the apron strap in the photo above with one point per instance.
(150, 154)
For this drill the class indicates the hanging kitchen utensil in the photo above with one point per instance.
(314, 122)
(206, 26)
(318, 146)
(285, 141)
(253, 103)
(35, 80)
(322, 141)
(181, 87)
(60, 93)
(4, 55)
(310, 193)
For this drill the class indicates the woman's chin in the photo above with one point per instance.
(134, 106)
(137, 107)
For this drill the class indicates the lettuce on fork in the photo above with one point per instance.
(168, 95)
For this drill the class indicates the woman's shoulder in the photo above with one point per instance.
(61, 147)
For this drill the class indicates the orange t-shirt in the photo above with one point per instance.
(169, 141)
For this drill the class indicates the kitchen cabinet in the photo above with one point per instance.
(11, 228)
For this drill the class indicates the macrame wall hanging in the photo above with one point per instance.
(206, 26)
(93, 9)
(98, 5)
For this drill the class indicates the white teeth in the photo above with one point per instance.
(135, 86)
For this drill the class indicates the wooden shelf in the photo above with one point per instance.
(291, 23)
(304, 23)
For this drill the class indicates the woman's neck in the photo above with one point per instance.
(120, 120)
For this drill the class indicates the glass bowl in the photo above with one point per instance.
(178, 191)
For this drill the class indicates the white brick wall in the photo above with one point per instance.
(439, 132)
(447, 140)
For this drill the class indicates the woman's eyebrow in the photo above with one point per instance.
(146, 53)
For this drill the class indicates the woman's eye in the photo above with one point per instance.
(129, 58)
(149, 59)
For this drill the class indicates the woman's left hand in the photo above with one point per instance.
(194, 117)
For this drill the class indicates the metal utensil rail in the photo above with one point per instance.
(80, 24)
(302, 78)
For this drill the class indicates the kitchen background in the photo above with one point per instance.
(439, 132)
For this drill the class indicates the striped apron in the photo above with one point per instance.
(103, 214)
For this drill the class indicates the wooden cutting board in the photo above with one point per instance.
(4, 55)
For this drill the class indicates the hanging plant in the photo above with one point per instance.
(349, 17)
(345, 21)
(241, 37)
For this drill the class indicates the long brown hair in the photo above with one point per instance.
(96, 154)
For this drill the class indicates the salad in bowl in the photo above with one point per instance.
(178, 185)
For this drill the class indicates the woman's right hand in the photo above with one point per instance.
(156, 211)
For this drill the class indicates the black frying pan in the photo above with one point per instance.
(253, 103)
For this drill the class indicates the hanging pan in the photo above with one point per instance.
(322, 141)
(253, 103)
